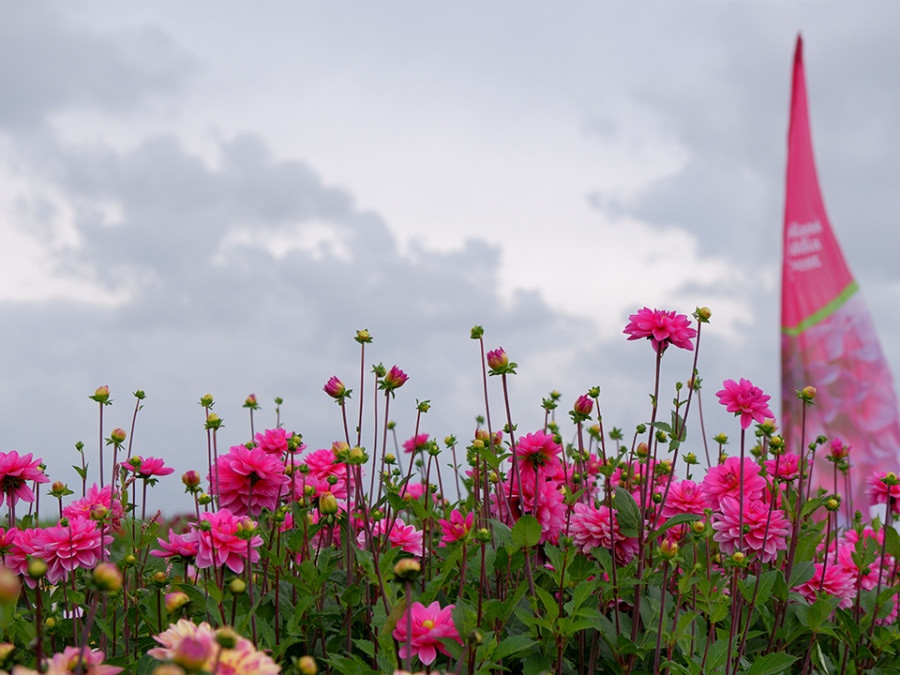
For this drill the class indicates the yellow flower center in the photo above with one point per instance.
(428, 623)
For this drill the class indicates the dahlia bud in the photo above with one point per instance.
(58, 489)
(641, 450)
(101, 394)
(307, 665)
(668, 549)
(206, 401)
(721, 439)
(99, 512)
(237, 586)
(251, 402)
(407, 569)
(227, 638)
(160, 579)
(497, 360)
(335, 388)
(176, 600)
(738, 558)
(37, 568)
(698, 526)
(328, 504)
(832, 504)
(393, 379)
(423, 406)
(363, 337)
(482, 535)
(582, 408)
(107, 577)
(117, 436)
(204, 499)
(807, 394)
(213, 421)
(10, 586)
(702, 314)
(838, 450)
(6, 648)
(357, 455)
(191, 479)
(476, 333)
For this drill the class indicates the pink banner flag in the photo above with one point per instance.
(828, 340)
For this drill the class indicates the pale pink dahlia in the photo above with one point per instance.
(592, 528)
(249, 480)
(746, 400)
(661, 328)
(67, 547)
(757, 538)
(219, 541)
(15, 473)
(429, 625)
(66, 663)
(724, 480)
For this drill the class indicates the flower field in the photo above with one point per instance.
(565, 547)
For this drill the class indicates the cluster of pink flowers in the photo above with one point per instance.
(196, 648)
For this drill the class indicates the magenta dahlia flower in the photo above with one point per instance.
(788, 466)
(457, 528)
(67, 547)
(756, 523)
(429, 625)
(538, 452)
(684, 497)
(884, 488)
(661, 328)
(273, 441)
(183, 546)
(248, 480)
(97, 496)
(724, 480)
(415, 443)
(592, 528)
(551, 508)
(835, 579)
(148, 467)
(746, 400)
(15, 473)
(221, 541)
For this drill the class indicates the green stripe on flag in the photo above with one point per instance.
(823, 313)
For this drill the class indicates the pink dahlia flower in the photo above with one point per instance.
(724, 480)
(243, 659)
(661, 328)
(592, 528)
(15, 473)
(429, 625)
(394, 379)
(415, 443)
(148, 467)
(335, 388)
(97, 496)
(838, 581)
(788, 466)
(23, 545)
(538, 452)
(868, 577)
(273, 441)
(746, 400)
(884, 488)
(248, 480)
(766, 543)
(66, 663)
(551, 509)
(183, 546)
(67, 547)
(457, 528)
(222, 543)
(684, 497)
(400, 535)
(322, 464)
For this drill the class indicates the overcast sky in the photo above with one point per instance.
(213, 197)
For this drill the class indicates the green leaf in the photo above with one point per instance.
(802, 572)
(627, 512)
(527, 532)
(680, 519)
(512, 645)
(892, 542)
(771, 664)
